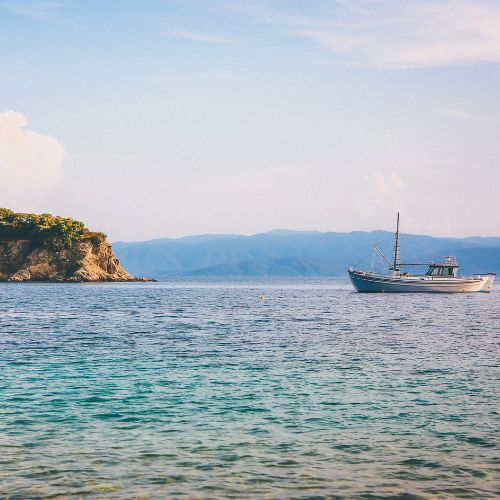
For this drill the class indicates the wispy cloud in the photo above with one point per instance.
(181, 77)
(198, 37)
(396, 33)
(34, 9)
(459, 114)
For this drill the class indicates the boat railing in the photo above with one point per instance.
(425, 277)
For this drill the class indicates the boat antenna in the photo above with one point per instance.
(395, 264)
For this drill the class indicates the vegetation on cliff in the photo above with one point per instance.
(49, 231)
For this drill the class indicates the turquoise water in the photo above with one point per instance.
(153, 390)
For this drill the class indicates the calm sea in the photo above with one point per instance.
(208, 391)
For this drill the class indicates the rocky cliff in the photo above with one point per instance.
(46, 248)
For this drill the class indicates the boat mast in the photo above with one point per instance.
(395, 264)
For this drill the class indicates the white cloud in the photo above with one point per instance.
(198, 37)
(386, 185)
(397, 33)
(30, 163)
(380, 191)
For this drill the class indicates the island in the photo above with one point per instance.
(55, 249)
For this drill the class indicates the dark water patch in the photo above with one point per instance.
(416, 462)
(479, 441)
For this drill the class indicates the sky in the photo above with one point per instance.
(164, 118)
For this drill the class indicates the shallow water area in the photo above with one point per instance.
(247, 389)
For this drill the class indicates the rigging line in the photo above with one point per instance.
(383, 256)
(384, 242)
(343, 285)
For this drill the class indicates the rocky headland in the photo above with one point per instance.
(47, 248)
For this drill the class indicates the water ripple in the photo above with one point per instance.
(195, 390)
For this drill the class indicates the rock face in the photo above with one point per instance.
(86, 260)
(28, 254)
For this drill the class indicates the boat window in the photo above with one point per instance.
(440, 271)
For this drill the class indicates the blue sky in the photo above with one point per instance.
(165, 118)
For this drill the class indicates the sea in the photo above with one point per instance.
(247, 389)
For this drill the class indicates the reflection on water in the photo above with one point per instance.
(211, 390)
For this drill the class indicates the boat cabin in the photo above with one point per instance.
(447, 269)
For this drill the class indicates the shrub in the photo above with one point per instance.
(50, 231)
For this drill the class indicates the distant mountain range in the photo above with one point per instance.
(296, 254)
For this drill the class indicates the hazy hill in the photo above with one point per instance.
(295, 253)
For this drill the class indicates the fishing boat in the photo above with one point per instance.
(440, 277)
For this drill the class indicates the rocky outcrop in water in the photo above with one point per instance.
(47, 248)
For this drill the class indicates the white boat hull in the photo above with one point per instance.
(371, 282)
